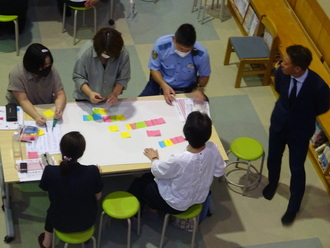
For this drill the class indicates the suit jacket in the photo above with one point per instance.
(312, 100)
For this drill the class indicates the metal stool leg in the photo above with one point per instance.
(164, 230)
(75, 27)
(95, 18)
(63, 17)
(16, 36)
(129, 232)
(194, 232)
(100, 230)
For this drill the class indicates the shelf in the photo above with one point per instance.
(319, 170)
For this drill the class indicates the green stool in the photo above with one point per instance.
(76, 9)
(245, 150)
(190, 213)
(75, 237)
(120, 205)
(12, 18)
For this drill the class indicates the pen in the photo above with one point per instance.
(46, 127)
(54, 123)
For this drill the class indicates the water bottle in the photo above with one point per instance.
(17, 152)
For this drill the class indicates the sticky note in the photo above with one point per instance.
(133, 126)
(41, 132)
(140, 124)
(106, 118)
(120, 117)
(149, 123)
(113, 128)
(48, 113)
(174, 140)
(160, 121)
(32, 155)
(161, 144)
(153, 133)
(125, 134)
(128, 126)
(97, 117)
(113, 117)
(100, 111)
(88, 118)
(180, 139)
(168, 142)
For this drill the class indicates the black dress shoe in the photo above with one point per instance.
(269, 191)
(288, 218)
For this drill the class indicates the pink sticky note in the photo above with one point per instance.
(133, 126)
(106, 118)
(149, 123)
(32, 155)
(180, 139)
(160, 121)
(174, 140)
(153, 133)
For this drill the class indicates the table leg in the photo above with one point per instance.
(6, 207)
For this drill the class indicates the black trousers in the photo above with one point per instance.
(146, 190)
(297, 155)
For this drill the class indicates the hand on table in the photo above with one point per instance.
(112, 98)
(41, 120)
(58, 114)
(169, 94)
(151, 153)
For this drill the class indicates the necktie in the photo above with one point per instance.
(293, 92)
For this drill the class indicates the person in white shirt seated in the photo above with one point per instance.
(184, 179)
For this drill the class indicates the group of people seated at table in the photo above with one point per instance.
(178, 63)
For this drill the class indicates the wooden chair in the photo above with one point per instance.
(255, 50)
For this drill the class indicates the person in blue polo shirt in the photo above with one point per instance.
(178, 64)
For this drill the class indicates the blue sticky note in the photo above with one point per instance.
(97, 117)
(161, 144)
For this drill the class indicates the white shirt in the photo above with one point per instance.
(185, 178)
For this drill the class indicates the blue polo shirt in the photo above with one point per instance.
(178, 72)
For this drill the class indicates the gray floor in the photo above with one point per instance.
(239, 221)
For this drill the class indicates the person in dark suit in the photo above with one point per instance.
(293, 123)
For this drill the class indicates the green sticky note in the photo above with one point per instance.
(140, 124)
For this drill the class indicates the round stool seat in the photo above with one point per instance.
(79, 8)
(191, 212)
(120, 205)
(246, 148)
(75, 237)
(8, 18)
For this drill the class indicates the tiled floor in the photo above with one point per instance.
(239, 221)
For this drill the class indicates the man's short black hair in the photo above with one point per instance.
(186, 35)
(198, 129)
(35, 56)
(299, 56)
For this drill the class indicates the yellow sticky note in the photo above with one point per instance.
(113, 128)
(41, 132)
(125, 134)
(168, 142)
(48, 113)
(120, 117)
(128, 126)
(100, 111)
